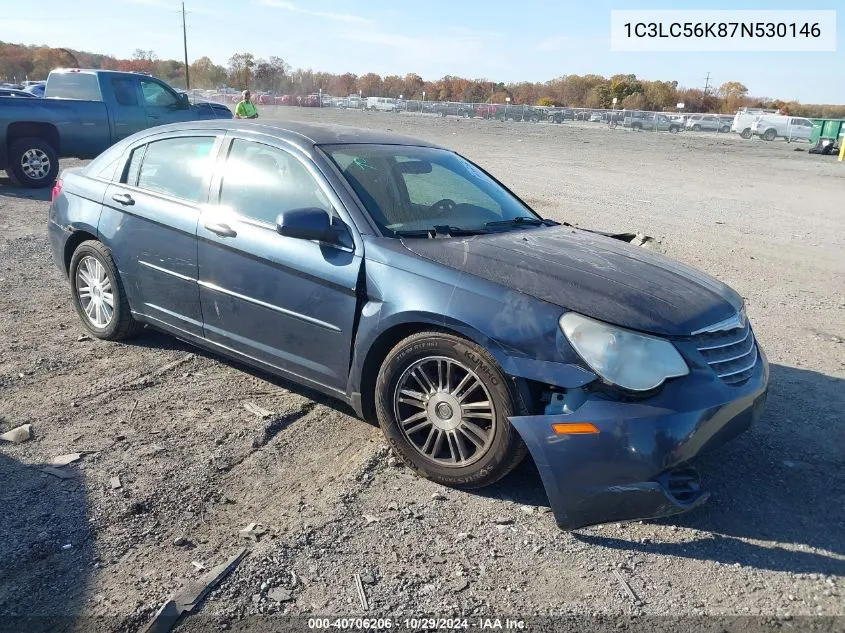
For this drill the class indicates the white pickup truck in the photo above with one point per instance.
(792, 128)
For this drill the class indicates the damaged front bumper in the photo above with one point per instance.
(636, 466)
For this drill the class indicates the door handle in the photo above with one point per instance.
(123, 198)
(154, 116)
(223, 230)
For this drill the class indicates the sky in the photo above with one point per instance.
(528, 40)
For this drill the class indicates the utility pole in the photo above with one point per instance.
(185, 42)
(707, 84)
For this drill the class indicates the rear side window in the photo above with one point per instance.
(176, 167)
(83, 86)
(124, 91)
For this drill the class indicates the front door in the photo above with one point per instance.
(162, 104)
(150, 219)
(287, 302)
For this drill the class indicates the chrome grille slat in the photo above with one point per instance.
(744, 369)
(728, 344)
(732, 354)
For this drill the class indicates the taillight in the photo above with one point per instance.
(57, 189)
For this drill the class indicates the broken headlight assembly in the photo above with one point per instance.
(627, 359)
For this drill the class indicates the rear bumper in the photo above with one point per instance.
(57, 237)
(636, 466)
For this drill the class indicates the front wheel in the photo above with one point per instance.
(696, 128)
(98, 295)
(443, 404)
(769, 135)
(33, 163)
(674, 129)
(746, 133)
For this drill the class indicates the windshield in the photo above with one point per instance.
(408, 189)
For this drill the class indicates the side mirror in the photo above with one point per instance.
(306, 224)
(184, 101)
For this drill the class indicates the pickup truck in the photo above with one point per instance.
(650, 122)
(83, 113)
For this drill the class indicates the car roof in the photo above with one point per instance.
(311, 133)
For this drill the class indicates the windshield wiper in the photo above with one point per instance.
(439, 231)
(520, 220)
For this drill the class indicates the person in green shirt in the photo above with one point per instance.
(246, 109)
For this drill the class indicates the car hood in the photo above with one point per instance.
(594, 275)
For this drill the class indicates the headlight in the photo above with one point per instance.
(628, 359)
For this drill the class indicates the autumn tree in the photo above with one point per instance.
(370, 85)
(241, 67)
(206, 74)
(733, 95)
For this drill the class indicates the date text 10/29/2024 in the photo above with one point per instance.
(417, 624)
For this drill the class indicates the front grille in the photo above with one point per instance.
(731, 353)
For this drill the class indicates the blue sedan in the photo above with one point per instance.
(405, 280)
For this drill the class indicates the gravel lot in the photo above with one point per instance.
(195, 465)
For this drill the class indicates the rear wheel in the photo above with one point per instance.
(98, 295)
(769, 135)
(674, 129)
(33, 163)
(746, 133)
(696, 128)
(443, 404)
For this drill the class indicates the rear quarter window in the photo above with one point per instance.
(82, 86)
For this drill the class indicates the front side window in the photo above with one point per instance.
(156, 95)
(408, 188)
(176, 166)
(260, 182)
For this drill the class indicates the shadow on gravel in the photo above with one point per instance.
(153, 339)
(782, 485)
(42, 585)
(8, 190)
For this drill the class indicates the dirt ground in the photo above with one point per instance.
(194, 465)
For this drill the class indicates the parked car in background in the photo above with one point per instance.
(382, 104)
(83, 113)
(309, 101)
(649, 121)
(489, 111)
(453, 108)
(791, 128)
(313, 258)
(707, 123)
(596, 117)
(744, 117)
(37, 88)
(15, 93)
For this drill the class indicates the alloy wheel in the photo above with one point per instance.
(94, 292)
(35, 163)
(445, 411)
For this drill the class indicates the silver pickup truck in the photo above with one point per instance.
(82, 113)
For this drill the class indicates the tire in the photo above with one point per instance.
(535, 118)
(696, 128)
(33, 163)
(674, 129)
(636, 126)
(746, 133)
(501, 448)
(724, 129)
(121, 325)
(769, 135)
(442, 114)
(466, 115)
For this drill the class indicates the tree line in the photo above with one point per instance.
(273, 74)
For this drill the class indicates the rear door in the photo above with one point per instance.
(126, 111)
(149, 221)
(287, 302)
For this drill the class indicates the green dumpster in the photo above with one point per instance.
(827, 129)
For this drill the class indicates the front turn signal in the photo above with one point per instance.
(574, 428)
